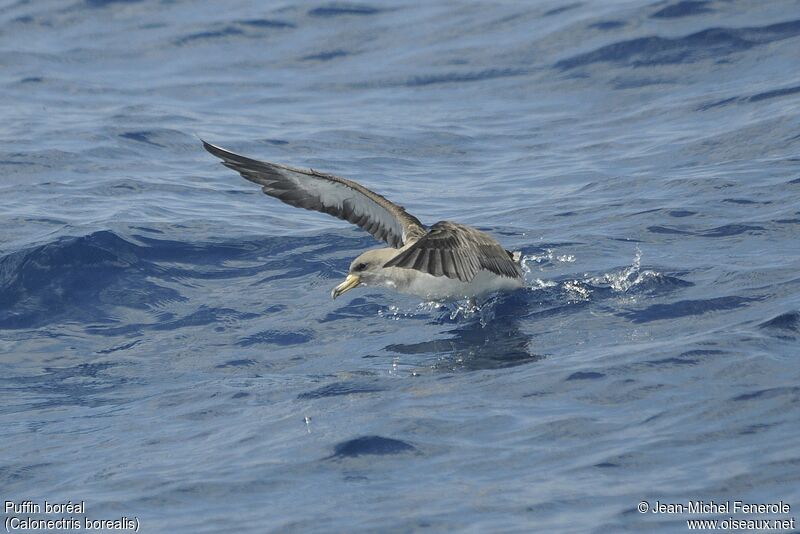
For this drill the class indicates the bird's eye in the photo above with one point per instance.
(361, 267)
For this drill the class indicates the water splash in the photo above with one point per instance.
(464, 308)
(628, 278)
(548, 256)
(539, 283)
(392, 312)
(577, 291)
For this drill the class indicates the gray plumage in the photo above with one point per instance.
(449, 249)
(457, 251)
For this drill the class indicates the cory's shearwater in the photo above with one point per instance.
(447, 261)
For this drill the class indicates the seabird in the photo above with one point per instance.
(446, 262)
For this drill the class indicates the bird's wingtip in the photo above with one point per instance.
(199, 138)
(214, 149)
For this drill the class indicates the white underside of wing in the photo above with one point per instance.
(337, 194)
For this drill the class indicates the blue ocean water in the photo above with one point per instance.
(168, 346)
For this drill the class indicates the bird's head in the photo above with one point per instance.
(365, 270)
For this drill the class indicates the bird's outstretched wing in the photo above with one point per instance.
(457, 251)
(340, 197)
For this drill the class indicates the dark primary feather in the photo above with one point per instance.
(326, 193)
(457, 251)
